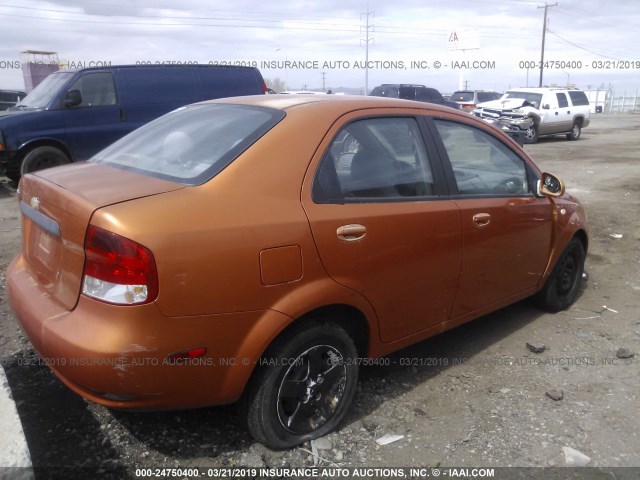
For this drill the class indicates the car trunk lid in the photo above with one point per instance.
(57, 205)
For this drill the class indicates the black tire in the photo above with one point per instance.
(531, 134)
(576, 130)
(303, 386)
(563, 284)
(43, 157)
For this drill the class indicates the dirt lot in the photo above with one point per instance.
(476, 396)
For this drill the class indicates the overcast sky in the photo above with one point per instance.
(598, 45)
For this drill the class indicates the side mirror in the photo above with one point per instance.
(73, 98)
(550, 185)
(546, 106)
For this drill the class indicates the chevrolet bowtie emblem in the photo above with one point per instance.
(35, 203)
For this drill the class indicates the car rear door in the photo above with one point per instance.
(506, 228)
(565, 118)
(384, 227)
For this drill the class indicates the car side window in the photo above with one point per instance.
(482, 164)
(578, 98)
(562, 100)
(375, 158)
(96, 90)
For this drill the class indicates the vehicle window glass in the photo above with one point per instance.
(578, 98)
(462, 97)
(533, 98)
(562, 100)
(481, 163)
(192, 144)
(385, 91)
(375, 158)
(96, 89)
(44, 93)
(431, 95)
(488, 96)
(408, 93)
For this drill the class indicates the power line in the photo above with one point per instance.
(580, 47)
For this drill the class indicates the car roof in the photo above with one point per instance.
(541, 89)
(329, 102)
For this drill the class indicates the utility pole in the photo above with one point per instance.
(544, 31)
(324, 76)
(366, 41)
(466, 84)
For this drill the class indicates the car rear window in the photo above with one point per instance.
(461, 97)
(488, 96)
(193, 144)
(390, 91)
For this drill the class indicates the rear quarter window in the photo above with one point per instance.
(193, 144)
(578, 98)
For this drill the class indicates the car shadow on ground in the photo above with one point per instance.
(62, 429)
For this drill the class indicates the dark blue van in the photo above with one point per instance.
(73, 114)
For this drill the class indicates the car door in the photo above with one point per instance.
(382, 222)
(565, 119)
(97, 121)
(551, 120)
(506, 228)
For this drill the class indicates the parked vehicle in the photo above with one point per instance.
(74, 114)
(468, 99)
(419, 93)
(8, 98)
(198, 262)
(552, 110)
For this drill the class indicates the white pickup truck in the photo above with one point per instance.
(553, 111)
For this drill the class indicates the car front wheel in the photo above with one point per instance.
(563, 284)
(303, 386)
(43, 157)
(531, 134)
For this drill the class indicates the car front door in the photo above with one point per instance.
(551, 121)
(98, 120)
(378, 210)
(506, 228)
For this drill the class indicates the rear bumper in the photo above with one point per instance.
(117, 355)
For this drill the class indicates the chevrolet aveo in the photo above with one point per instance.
(255, 248)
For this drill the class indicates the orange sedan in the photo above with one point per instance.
(256, 248)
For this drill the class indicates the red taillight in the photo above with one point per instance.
(468, 105)
(118, 270)
(264, 88)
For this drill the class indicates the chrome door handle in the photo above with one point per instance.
(352, 232)
(481, 219)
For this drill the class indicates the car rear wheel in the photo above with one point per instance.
(303, 386)
(575, 132)
(531, 134)
(563, 284)
(43, 157)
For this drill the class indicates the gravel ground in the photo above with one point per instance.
(475, 396)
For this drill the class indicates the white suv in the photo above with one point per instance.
(553, 111)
